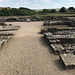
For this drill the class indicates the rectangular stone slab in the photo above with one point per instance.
(68, 60)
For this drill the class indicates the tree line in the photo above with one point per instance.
(28, 12)
(61, 10)
(16, 12)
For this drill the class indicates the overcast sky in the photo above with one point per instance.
(37, 4)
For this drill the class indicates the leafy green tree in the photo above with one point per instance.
(71, 9)
(53, 11)
(45, 11)
(63, 9)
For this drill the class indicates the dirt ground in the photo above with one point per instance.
(27, 53)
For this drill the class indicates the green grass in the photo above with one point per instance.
(56, 14)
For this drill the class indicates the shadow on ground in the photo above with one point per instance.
(58, 63)
(46, 44)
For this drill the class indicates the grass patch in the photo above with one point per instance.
(55, 14)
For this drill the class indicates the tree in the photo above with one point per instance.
(71, 9)
(39, 12)
(63, 9)
(53, 11)
(45, 11)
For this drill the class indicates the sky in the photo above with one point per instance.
(37, 4)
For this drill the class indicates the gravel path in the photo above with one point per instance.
(26, 53)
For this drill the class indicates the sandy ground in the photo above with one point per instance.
(26, 53)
